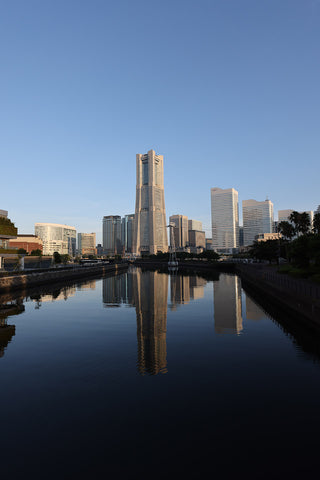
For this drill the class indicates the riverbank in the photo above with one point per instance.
(27, 280)
(299, 296)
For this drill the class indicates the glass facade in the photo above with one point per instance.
(56, 238)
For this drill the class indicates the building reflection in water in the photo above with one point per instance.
(227, 304)
(185, 288)
(253, 311)
(148, 292)
(8, 331)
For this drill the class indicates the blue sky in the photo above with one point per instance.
(226, 90)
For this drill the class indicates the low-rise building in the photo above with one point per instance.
(263, 237)
(28, 242)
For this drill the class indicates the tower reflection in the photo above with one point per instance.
(150, 290)
(227, 304)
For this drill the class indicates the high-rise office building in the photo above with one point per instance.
(225, 219)
(56, 238)
(127, 225)
(257, 218)
(195, 225)
(87, 243)
(283, 216)
(180, 230)
(111, 234)
(150, 232)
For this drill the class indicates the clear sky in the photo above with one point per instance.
(227, 90)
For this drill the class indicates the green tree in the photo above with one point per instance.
(316, 223)
(22, 251)
(286, 229)
(299, 251)
(301, 222)
(36, 253)
(268, 250)
(65, 258)
(57, 257)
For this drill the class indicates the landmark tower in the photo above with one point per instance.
(150, 232)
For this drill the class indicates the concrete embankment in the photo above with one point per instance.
(301, 297)
(27, 280)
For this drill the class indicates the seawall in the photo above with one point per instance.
(27, 280)
(300, 297)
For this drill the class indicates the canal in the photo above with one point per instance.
(150, 374)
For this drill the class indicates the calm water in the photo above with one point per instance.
(150, 374)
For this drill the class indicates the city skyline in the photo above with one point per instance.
(234, 103)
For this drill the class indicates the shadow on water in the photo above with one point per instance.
(303, 335)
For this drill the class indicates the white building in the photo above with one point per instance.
(56, 238)
(224, 219)
(257, 218)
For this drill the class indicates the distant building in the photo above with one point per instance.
(208, 243)
(87, 244)
(263, 237)
(99, 249)
(283, 216)
(240, 236)
(225, 219)
(195, 225)
(56, 238)
(257, 218)
(150, 232)
(127, 226)
(197, 239)
(111, 234)
(28, 242)
(180, 230)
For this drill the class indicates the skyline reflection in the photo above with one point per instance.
(227, 305)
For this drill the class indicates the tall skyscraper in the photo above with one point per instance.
(111, 234)
(225, 219)
(150, 232)
(127, 225)
(257, 218)
(180, 230)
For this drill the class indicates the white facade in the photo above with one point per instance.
(224, 219)
(56, 238)
(257, 218)
(150, 230)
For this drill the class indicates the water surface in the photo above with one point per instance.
(149, 374)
